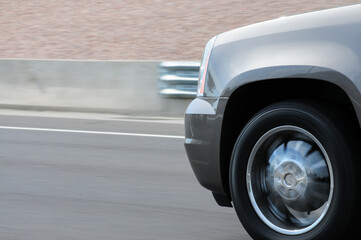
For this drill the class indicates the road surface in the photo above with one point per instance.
(69, 176)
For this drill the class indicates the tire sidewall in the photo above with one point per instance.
(320, 125)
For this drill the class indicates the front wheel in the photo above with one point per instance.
(292, 173)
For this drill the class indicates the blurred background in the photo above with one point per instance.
(92, 98)
(99, 56)
(131, 30)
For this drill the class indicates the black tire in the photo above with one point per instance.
(273, 184)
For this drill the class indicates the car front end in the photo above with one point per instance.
(203, 123)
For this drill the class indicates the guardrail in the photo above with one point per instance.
(121, 87)
(178, 79)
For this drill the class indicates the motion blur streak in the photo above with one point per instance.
(63, 185)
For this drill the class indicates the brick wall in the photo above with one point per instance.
(131, 29)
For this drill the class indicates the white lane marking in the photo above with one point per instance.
(93, 116)
(90, 132)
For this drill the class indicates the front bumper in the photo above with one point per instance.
(203, 125)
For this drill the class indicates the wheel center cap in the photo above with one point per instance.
(289, 180)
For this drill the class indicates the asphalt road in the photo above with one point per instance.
(99, 182)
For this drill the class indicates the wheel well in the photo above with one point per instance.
(247, 100)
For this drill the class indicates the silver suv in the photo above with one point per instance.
(275, 128)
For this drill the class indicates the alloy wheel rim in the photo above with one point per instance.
(290, 180)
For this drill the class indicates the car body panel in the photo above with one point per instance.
(328, 39)
(323, 45)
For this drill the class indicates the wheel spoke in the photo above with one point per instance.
(311, 150)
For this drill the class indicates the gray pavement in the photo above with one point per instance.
(68, 185)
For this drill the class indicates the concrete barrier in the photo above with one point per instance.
(125, 87)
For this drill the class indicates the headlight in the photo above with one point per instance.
(204, 66)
